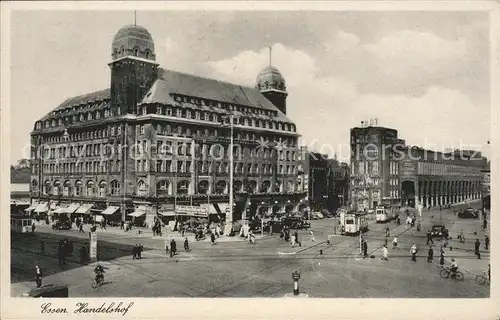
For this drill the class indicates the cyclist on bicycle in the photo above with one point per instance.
(453, 267)
(99, 272)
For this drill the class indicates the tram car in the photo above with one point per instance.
(20, 224)
(352, 223)
(384, 213)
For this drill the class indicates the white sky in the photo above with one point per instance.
(423, 73)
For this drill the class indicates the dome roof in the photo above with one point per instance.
(133, 40)
(270, 78)
(133, 31)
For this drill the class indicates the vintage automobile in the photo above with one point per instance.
(468, 213)
(438, 230)
(61, 225)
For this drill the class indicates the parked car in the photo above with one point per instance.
(61, 225)
(468, 213)
(296, 223)
(315, 215)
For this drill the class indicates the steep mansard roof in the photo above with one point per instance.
(171, 83)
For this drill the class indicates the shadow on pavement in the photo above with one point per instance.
(26, 254)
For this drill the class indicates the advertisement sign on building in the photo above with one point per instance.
(191, 210)
(407, 168)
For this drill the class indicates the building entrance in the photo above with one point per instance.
(408, 193)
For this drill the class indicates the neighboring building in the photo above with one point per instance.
(486, 186)
(20, 192)
(374, 167)
(385, 170)
(338, 185)
(315, 168)
(159, 137)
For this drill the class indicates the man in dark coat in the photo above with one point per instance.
(485, 223)
(134, 251)
(173, 248)
(297, 239)
(429, 238)
(186, 244)
(486, 242)
(38, 277)
(430, 255)
(477, 244)
(365, 248)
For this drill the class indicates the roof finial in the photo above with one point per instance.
(135, 18)
(270, 55)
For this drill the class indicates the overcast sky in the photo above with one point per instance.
(423, 73)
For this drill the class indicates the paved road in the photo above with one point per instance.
(239, 269)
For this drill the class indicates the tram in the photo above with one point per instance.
(353, 223)
(19, 223)
(384, 213)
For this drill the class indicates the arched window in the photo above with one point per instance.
(220, 187)
(264, 187)
(46, 187)
(163, 188)
(148, 54)
(251, 186)
(57, 185)
(102, 189)
(78, 188)
(203, 187)
(277, 187)
(141, 187)
(136, 52)
(237, 186)
(115, 188)
(67, 188)
(183, 187)
(291, 186)
(90, 188)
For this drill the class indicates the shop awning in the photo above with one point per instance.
(110, 210)
(85, 208)
(42, 207)
(137, 213)
(60, 210)
(30, 208)
(72, 208)
(224, 207)
(167, 210)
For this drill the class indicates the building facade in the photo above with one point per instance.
(374, 167)
(385, 169)
(158, 137)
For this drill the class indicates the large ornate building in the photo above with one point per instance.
(158, 137)
(385, 170)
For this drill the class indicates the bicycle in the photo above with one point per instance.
(98, 280)
(446, 272)
(483, 279)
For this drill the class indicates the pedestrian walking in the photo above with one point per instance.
(135, 251)
(395, 242)
(297, 239)
(365, 248)
(212, 238)
(38, 276)
(173, 248)
(387, 232)
(486, 242)
(477, 244)
(81, 229)
(122, 225)
(385, 253)
(186, 244)
(485, 224)
(42, 246)
(430, 255)
(311, 236)
(441, 257)
(33, 227)
(413, 251)
(292, 240)
(429, 238)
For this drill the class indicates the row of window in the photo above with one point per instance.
(366, 167)
(89, 190)
(394, 168)
(394, 194)
(441, 169)
(213, 117)
(81, 167)
(394, 182)
(82, 116)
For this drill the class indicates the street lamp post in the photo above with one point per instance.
(229, 217)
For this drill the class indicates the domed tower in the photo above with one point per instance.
(133, 67)
(271, 84)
